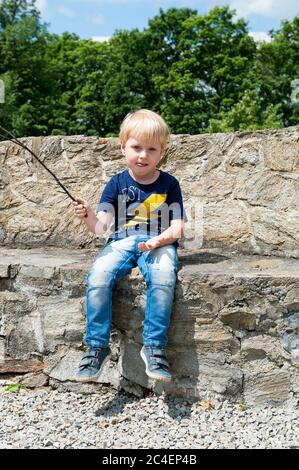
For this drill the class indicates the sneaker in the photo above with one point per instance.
(92, 363)
(157, 366)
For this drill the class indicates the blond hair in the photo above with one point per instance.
(145, 124)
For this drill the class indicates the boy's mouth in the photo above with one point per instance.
(141, 164)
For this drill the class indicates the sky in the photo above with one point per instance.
(98, 19)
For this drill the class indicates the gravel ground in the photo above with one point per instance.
(47, 418)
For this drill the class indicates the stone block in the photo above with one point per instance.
(263, 346)
(226, 337)
(18, 366)
(4, 270)
(58, 321)
(265, 383)
(238, 318)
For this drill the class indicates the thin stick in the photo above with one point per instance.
(13, 139)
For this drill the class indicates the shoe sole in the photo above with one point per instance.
(151, 374)
(96, 376)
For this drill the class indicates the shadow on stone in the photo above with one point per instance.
(177, 408)
(116, 406)
(201, 258)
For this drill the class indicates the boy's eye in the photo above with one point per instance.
(137, 147)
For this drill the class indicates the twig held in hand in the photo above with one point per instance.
(9, 136)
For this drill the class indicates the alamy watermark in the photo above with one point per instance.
(295, 90)
(153, 221)
(2, 92)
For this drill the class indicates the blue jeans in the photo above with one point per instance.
(158, 268)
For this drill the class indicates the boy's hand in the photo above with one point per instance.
(81, 207)
(150, 244)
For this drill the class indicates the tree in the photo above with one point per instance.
(137, 64)
(214, 54)
(23, 44)
(75, 104)
(127, 78)
(200, 72)
(8, 109)
(14, 11)
(276, 67)
(247, 114)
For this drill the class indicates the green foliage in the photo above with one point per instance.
(23, 44)
(14, 388)
(277, 66)
(75, 102)
(203, 73)
(215, 56)
(247, 114)
(243, 406)
(126, 79)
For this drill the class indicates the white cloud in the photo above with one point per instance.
(258, 7)
(275, 9)
(268, 8)
(65, 11)
(42, 6)
(260, 36)
(100, 38)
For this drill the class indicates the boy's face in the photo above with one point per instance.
(141, 155)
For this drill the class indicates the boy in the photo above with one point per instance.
(145, 207)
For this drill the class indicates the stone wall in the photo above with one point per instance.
(235, 322)
(234, 328)
(246, 184)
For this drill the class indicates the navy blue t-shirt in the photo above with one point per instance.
(142, 208)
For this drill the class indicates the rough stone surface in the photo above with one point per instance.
(233, 329)
(235, 321)
(243, 187)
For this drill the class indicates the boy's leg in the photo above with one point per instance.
(159, 268)
(113, 262)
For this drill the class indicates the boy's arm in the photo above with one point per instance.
(173, 233)
(170, 235)
(98, 223)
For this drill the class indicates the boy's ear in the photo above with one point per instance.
(122, 148)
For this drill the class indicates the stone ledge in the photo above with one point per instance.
(234, 329)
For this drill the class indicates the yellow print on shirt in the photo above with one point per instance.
(143, 212)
